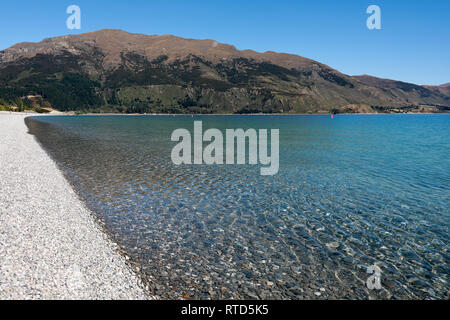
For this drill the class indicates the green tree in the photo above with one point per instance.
(28, 103)
(46, 104)
(20, 105)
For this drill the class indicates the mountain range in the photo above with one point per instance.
(116, 71)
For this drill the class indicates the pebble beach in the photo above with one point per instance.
(51, 247)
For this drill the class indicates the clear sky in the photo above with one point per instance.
(413, 44)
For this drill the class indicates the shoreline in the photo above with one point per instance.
(220, 114)
(51, 246)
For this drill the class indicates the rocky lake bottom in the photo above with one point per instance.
(351, 192)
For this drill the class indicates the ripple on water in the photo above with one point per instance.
(351, 192)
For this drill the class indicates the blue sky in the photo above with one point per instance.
(413, 44)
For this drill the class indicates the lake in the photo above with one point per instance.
(351, 192)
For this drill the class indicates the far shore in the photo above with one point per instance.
(61, 113)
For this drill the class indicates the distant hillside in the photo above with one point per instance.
(112, 70)
(443, 89)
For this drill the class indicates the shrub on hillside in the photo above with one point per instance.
(41, 110)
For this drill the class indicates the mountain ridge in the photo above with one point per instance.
(113, 70)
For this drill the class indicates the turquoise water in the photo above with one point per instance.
(351, 192)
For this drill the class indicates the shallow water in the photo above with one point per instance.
(351, 192)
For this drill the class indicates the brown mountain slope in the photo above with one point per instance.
(119, 71)
(114, 42)
(443, 89)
